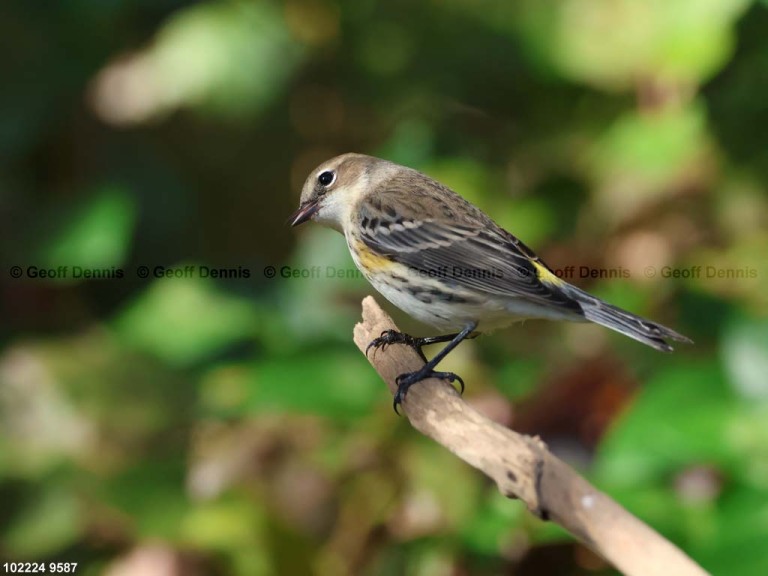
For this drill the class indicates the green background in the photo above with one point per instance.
(230, 426)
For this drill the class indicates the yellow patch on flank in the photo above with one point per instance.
(545, 275)
(371, 260)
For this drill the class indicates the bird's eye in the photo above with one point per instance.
(326, 178)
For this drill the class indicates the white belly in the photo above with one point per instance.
(489, 312)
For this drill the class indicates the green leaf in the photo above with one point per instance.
(736, 544)
(639, 155)
(688, 40)
(234, 526)
(151, 492)
(518, 378)
(183, 320)
(48, 523)
(199, 57)
(679, 417)
(336, 384)
(744, 351)
(96, 234)
(497, 521)
(447, 488)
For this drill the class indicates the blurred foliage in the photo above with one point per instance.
(200, 407)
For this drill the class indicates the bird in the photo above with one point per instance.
(446, 263)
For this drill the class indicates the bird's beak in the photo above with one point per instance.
(304, 213)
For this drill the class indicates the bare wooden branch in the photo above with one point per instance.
(522, 466)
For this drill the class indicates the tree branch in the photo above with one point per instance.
(522, 466)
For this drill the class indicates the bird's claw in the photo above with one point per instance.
(388, 337)
(405, 381)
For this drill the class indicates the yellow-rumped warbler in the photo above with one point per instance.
(445, 262)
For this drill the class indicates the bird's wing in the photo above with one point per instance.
(444, 237)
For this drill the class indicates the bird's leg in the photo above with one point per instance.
(394, 337)
(405, 381)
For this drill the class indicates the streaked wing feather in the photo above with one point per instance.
(504, 264)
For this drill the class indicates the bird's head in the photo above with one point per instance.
(333, 188)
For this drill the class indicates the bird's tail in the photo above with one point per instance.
(625, 322)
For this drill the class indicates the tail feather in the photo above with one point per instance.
(626, 323)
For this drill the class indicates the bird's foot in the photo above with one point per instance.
(405, 381)
(394, 337)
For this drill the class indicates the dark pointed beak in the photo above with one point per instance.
(304, 213)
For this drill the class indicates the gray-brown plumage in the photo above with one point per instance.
(443, 260)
